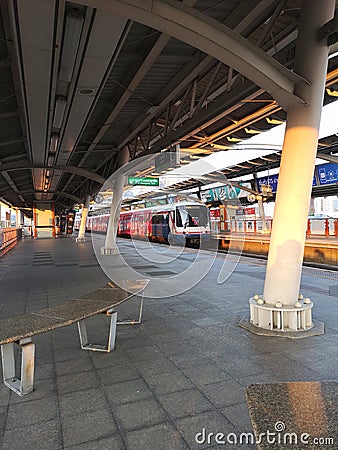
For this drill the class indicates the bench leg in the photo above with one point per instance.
(85, 345)
(134, 321)
(24, 384)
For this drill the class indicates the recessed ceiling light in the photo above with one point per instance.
(86, 91)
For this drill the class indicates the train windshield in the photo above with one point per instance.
(191, 216)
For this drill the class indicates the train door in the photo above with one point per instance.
(165, 226)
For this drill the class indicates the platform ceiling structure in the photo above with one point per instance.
(81, 80)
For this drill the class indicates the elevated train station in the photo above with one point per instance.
(230, 349)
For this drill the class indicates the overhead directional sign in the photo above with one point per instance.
(147, 181)
(327, 173)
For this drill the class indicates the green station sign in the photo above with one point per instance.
(138, 181)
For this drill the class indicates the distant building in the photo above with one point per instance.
(327, 206)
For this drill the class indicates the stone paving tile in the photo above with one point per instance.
(159, 437)
(69, 354)
(68, 367)
(42, 389)
(116, 358)
(44, 371)
(166, 357)
(128, 391)
(110, 443)
(76, 382)
(135, 342)
(88, 426)
(224, 393)
(139, 414)
(155, 367)
(206, 374)
(82, 401)
(112, 375)
(192, 361)
(146, 354)
(168, 382)
(31, 412)
(185, 403)
(3, 418)
(41, 436)
(175, 348)
(212, 422)
(238, 415)
(4, 395)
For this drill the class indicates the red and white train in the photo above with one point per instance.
(176, 223)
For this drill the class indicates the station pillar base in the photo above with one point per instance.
(80, 239)
(282, 320)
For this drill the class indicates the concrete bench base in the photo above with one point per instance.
(24, 384)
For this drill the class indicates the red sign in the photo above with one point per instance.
(214, 212)
(249, 211)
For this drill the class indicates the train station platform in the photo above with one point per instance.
(320, 250)
(183, 370)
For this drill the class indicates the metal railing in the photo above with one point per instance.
(315, 227)
(8, 238)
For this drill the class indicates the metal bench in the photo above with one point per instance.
(19, 330)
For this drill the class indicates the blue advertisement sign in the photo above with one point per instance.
(327, 173)
(272, 181)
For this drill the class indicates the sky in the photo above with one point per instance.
(222, 159)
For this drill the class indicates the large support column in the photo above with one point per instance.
(18, 223)
(82, 230)
(110, 242)
(281, 306)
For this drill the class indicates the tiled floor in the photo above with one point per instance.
(183, 370)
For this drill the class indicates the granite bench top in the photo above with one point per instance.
(47, 319)
(308, 409)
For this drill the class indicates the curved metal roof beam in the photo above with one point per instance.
(20, 165)
(61, 194)
(215, 39)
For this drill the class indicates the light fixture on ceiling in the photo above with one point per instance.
(333, 55)
(220, 147)
(54, 140)
(59, 111)
(332, 92)
(50, 160)
(86, 91)
(233, 139)
(251, 131)
(274, 121)
(71, 40)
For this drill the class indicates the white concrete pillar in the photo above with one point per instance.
(82, 230)
(262, 214)
(17, 218)
(110, 241)
(297, 166)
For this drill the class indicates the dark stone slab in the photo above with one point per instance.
(21, 327)
(48, 319)
(76, 310)
(113, 295)
(309, 410)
